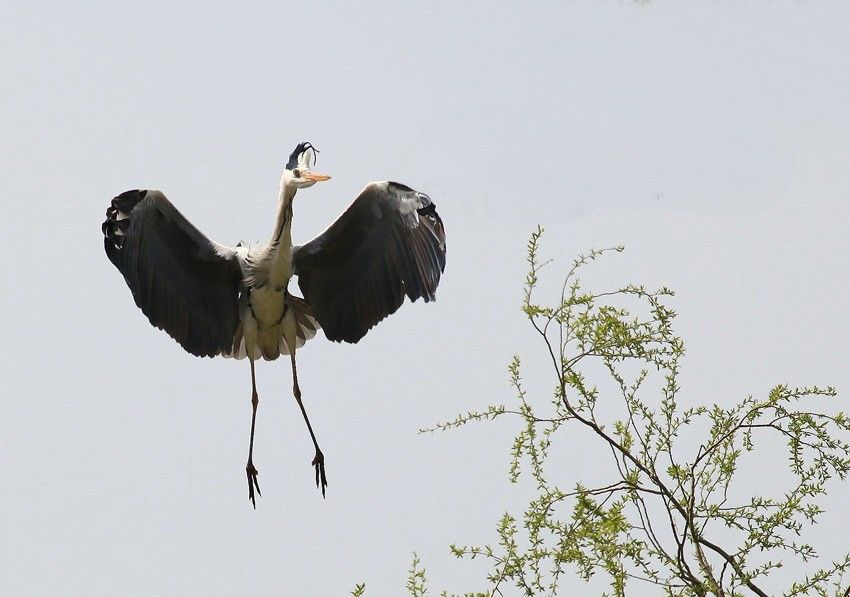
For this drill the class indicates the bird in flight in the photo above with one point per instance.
(235, 301)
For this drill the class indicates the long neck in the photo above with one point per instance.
(283, 223)
(280, 247)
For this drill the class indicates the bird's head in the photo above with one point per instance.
(298, 172)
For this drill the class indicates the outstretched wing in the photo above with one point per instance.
(186, 284)
(389, 243)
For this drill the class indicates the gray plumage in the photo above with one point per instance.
(389, 243)
(235, 302)
(185, 284)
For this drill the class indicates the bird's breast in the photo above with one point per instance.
(267, 305)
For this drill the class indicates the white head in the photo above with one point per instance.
(298, 172)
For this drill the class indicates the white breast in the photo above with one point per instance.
(267, 305)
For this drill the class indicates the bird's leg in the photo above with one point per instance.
(319, 459)
(250, 469)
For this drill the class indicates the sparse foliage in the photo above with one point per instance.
(668, 512)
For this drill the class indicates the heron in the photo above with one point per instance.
(235, 302)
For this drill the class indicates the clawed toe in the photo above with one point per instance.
(253, 483)
(319, 464)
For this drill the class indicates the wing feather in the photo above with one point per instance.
(186, 284)
(389, 243)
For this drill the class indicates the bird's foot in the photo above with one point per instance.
(251, 470)
(319, 465)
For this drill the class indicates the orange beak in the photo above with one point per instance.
(316, 177)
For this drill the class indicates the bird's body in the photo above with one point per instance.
(235, 301)
(267, 310)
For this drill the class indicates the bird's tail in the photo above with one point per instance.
(306, 325)
(270, 348)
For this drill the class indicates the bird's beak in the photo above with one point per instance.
(316, 177)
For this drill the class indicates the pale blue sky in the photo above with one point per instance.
(710, 138)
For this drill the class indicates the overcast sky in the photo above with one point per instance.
(712, 139)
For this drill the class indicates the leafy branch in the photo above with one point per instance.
(669, 512)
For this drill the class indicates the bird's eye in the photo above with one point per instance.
(296, 173)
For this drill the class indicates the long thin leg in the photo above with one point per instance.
(319, 459)
(250, 469)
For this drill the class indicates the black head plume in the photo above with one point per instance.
(299, 149)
